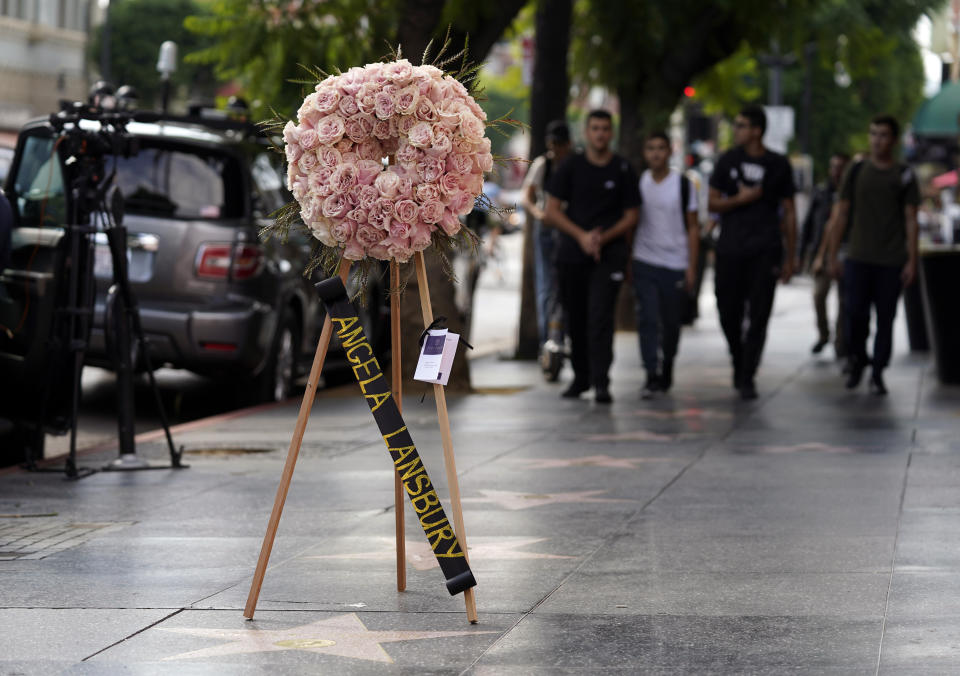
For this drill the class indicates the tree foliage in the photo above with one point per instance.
(137, 29)
(263, 44)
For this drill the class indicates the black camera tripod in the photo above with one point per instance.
(91, 211)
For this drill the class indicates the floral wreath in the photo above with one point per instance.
(384, 159)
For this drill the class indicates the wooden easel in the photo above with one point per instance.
(301, 425)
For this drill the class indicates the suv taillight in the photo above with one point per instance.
(218, 261)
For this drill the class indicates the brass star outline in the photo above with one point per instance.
(588, 461)
(342, 635)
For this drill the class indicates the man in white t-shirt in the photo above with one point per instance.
(664, 270)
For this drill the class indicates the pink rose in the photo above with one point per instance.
(307, 162)
(400, 72)
(419, 236)
(308, 112)
(354, 129)
(359, 215)
(432, 211)
(441, 145)
(368, 195)
(321, 230)
(436, 92)
(291, 133)
(349, 83)
(309, 139)
(406, 211)
(367, 171)
(456, 87)
(407, 99)
(353, 251)
(399, 229)
(427, 191)
(450, 223)
(387, 183)
(472, 183)
(344, 145)
(459, 163)
(471, 127)
(381, 213)
(449, 184)
(460, 203)
(335, 206)
(353, 195)
(329, 157)
(384, 106)
(369, 236)
(327, 100)
(484, 146)
(293, 152)
(407, 154)
(421, 136)
(463, 146)
(311, 209)
(329, 129)
(476, 109)
(344, 177)
(344, 230)
(370, 150)
(367, 98)
(485, 161)
(425, 110)
(347, 105)
(405, 187)
(384, 129)
(319, 180)
(406, 123)
(430, 169)
(398, 249)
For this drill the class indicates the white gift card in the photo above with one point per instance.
(436, 356)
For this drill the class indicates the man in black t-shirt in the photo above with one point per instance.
(752, 190)
(602, 195)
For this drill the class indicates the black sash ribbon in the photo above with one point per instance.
(426, 503)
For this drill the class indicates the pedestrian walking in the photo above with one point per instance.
(665, 248)
(878, 203)
(752, 189)
(601, 195)
(813, 246)
(545, 238)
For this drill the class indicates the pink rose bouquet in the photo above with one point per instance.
(349, 197)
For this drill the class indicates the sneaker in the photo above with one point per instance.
(819, 345)
(602, 395)
(877, 386)
(855, 374)
(574, 391)
(650, 388)
(748, 390)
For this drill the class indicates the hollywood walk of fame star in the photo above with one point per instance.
(421, 557)
(342, 635)
(517, 500)
(588, 461)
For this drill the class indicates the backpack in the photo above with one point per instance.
(684, 200)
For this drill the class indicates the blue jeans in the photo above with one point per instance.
(660, 301)
(545, 244)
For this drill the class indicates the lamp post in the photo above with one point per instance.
(167, 64)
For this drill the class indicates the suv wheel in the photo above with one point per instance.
(275, 383)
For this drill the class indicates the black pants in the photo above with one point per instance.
(877, 285)
(588, 293)
(745, 286)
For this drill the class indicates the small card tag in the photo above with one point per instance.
(436, 357)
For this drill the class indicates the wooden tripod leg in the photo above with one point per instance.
(397, 385)
(292, 454)
(449, 462)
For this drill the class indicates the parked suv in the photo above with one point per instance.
(213, 298)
